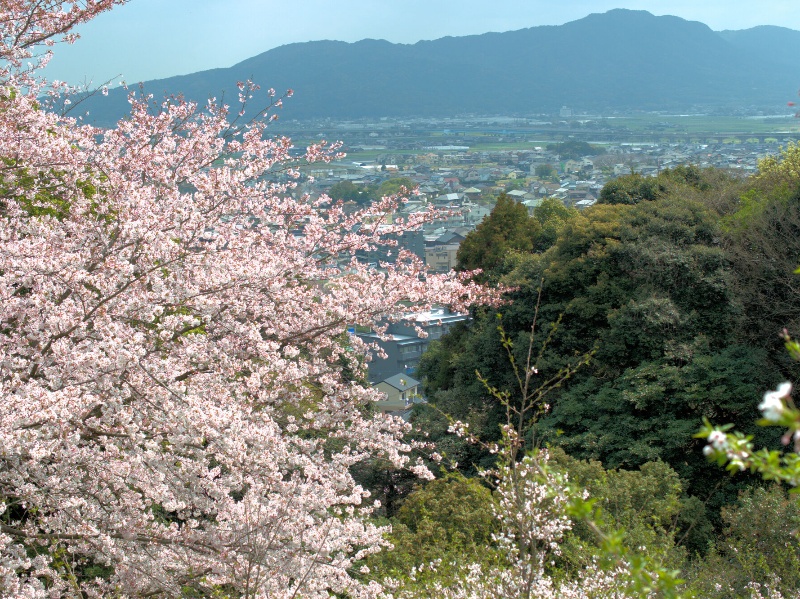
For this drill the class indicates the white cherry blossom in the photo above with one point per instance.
(772, 406)
(180, 404)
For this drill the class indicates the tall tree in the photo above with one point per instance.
(507, 228)
(762, 237)
(631, 189)
(348, 192)
(394, 186)
(179, 398)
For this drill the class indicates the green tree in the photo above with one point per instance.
(648, 286)
(688, 174)
(448, 371)
(394, 186)
(507, 228)
(631, 189)
(570, 150)
(762, 237)
(759, 546)
(645, 503)
(553, 215)
(546, 172)
(448, 519)
(759, 543)
(346, 191)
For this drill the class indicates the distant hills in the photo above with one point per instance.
(621, 60)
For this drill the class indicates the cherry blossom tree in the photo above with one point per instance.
(180, 402)
(535, 505)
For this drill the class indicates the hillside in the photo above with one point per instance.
(772, 45)
(620, 60)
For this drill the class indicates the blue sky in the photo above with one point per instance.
(149, 39)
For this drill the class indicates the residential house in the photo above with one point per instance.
(449, 199)
(401, 391)
(402, 344)
(547, 190)
(440, 253)
(579, 198)
(472, 192)
(532, 204)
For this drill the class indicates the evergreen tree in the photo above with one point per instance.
(508, 228)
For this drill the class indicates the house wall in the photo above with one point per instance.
(405, 349)
(441, 258)
(396, 399)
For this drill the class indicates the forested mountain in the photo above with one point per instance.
(770, 44)
(619, 60)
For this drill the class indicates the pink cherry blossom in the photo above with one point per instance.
(173, 347)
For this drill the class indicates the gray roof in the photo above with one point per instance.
(403, 382)
(449, 237)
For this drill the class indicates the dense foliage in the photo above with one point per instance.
(508, 228)
(679, 287)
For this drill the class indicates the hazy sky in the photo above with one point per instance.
(149, 39)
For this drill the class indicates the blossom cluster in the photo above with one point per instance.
(531, 509)
(180, 404)
(772, 406)
(736, 451)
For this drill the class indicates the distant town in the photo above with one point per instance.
(461, 165)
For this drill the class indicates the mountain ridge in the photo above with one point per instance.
(620, 60)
